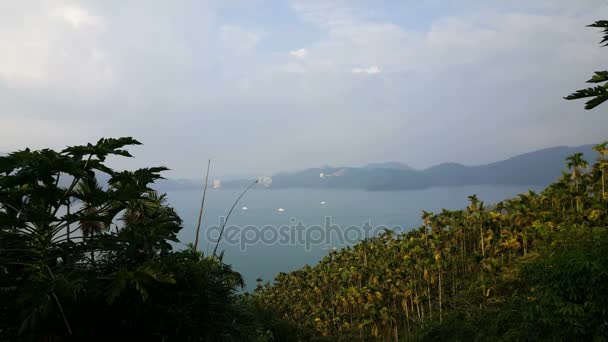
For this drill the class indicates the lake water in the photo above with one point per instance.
(255, 251)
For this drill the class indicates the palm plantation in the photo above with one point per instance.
(462, 266)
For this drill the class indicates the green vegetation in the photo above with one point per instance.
(599, 93)
(79, 258)
(533, 267)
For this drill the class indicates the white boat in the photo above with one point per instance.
(280, 210)
(322, 202)
(244, 208)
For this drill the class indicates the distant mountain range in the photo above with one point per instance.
(540, 167)
(389, 165)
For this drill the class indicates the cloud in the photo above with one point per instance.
(370, 71)
(76, 16)
(172, 76)
(239, 39)
(300, 53)
(518, 38)
(53, 46)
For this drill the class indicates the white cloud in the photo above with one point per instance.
(371, 70)
(519, 39)
(300, 53)
(180, 72)
(76, 16)
(38, 50)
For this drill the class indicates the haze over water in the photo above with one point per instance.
(400, 209)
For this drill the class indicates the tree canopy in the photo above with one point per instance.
(87, 251)
(534, 267)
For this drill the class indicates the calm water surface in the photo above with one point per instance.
(345, 207)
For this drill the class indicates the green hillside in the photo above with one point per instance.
(528, 268)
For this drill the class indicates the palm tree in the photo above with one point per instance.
(151, 222)
(88, 191)
(602, 149)
(476, 212)
(575, 163)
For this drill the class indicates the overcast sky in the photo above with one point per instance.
(264, 86)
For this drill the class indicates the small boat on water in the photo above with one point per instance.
(280, 210)
(323, 202)
(244, 208)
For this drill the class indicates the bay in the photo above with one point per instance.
(256, 256)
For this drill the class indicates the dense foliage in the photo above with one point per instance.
(82, 257)
(532, 267)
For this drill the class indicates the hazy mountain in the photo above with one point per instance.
(176, 184)
(388, 165)
(535, 168)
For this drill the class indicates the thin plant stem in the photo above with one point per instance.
(228, 216)
(200, 213)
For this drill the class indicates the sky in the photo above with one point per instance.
(265, 86)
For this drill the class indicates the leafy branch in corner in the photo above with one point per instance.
(599, 93)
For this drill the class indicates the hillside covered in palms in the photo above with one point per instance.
(534, 267)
